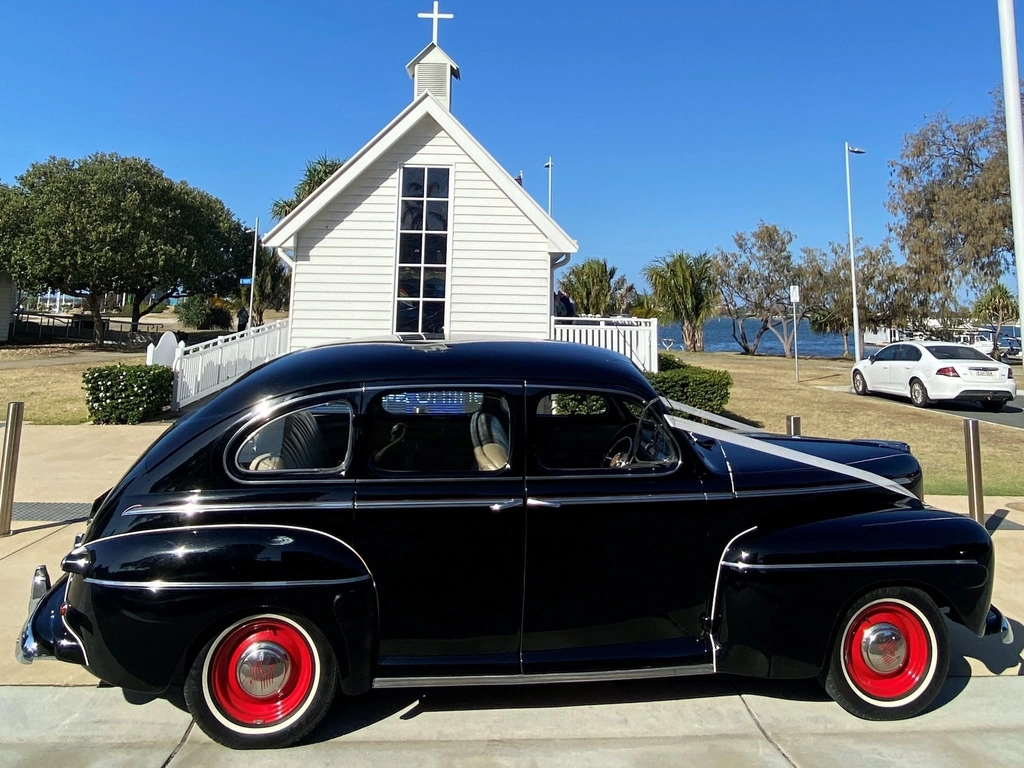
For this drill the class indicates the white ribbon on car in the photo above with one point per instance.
(755, 444)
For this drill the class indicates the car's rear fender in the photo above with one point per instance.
(781, 592)
(145, 603)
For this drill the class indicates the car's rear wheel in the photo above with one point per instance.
(860, 386)
(265, 681)
(918, 394)
(891, 656)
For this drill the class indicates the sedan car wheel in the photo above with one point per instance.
(891, 659)
(265, 681)
(918, 394)
(860, 386)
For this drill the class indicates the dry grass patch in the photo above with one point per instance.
(52, 394)
(765, 391)
(10, 352)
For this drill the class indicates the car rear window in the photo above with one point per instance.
(954, 352)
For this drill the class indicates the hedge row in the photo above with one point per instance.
(702, 388)
(127, 394)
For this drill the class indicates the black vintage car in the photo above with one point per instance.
(428, 513)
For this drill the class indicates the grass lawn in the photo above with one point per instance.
(52, 394)
(765, 391)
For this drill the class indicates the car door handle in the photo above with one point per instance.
(531, 502)
(500, 506)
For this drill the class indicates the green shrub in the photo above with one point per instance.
(702, 388)
(579, 405)
(127, 394)
(203, 313)
(667, 362)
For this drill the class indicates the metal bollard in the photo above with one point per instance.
(972, 446)
(9, 464)
(793, 426)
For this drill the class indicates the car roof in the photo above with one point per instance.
(405, 361)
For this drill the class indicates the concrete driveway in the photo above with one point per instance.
(708, 722)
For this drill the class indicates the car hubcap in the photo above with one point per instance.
(886, 651)
(261, 672)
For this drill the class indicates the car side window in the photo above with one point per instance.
(440, 432)
(887, 354)
(901, 353)
(912, 354)
(313, 439)
(575, 431)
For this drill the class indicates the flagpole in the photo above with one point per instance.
(252, 285)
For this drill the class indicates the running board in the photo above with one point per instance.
(554, 677)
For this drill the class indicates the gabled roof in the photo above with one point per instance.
(411, 66)
(426, 105)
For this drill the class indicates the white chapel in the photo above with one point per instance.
(421, 231)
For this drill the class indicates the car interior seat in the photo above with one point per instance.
(302, 446)
(489, 433)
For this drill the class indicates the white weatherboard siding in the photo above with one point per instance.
(499, 266)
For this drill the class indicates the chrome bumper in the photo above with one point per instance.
(997, 624)
(27, 649)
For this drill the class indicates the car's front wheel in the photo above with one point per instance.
(860, 386)
(918, 394)
(891, 656)
(264, 681)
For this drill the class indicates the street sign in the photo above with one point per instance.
(794, 294)
(245, 281)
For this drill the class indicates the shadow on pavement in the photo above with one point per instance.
(990, 651)
(352, 715)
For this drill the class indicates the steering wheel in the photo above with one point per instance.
(620, 449)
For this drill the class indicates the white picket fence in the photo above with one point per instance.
(634, 337)
(203, 369)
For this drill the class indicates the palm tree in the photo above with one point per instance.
(596, 290)
(997, 306)
(644, 306)
(317, 171)
(685, 290)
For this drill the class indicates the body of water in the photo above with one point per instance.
(718, 338)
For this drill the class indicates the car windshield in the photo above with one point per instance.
(954, 352)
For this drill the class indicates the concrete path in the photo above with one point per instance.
(707, 722)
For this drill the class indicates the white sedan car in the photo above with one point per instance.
(929, 371)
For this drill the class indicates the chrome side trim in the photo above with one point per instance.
(198, 508)
(714, 596)
(438, 504)
(635, 498)
(239, 525)
(808, 489)
(157, 585)
(64, 620)
(554, 677)
(818, 566)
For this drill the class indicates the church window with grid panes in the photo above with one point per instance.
(422, 250)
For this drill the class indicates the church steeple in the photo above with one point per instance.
(432, 70)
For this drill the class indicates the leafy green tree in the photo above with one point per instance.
(685, 290)
(997, 306)
(950, 196)
(318, 170)
(645, 306)
(108, 223)
(272, 287)
(597, 289)
(754, 282)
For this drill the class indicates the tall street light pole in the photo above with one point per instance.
(252, 275)
(1014, 141)
(550, 165)
(857, 351)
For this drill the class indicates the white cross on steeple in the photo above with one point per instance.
(435, 16)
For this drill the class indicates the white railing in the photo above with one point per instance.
(634, 337)
(205, 368)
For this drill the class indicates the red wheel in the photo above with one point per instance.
(890, 659)
(888, 651)
(261, 672)
(265, 681)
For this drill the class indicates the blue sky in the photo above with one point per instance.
(672, 124)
